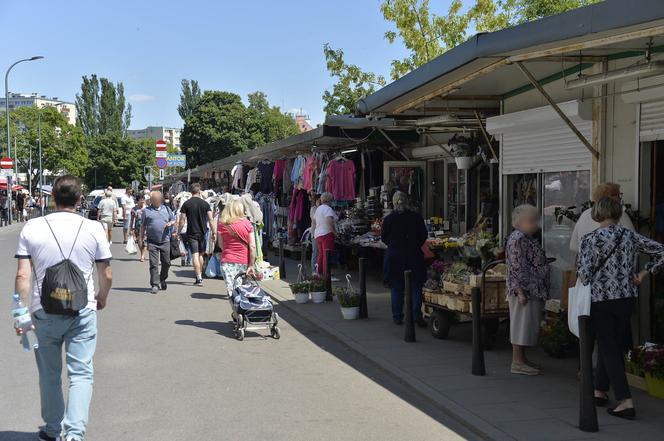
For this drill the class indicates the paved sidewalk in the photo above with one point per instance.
(499, 406)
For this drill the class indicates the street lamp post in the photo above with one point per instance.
(9, 142)
(41, 171)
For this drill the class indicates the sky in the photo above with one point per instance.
(240, 46)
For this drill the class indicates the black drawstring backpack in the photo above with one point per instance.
(64, 290)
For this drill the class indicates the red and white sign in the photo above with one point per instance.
(160, 145)
(6, 163)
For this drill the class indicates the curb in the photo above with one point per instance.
(463, 416)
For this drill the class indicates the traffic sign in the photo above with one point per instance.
(6, 163)
(161, 174)
(161, 154)
(160, 145)
(162, 163)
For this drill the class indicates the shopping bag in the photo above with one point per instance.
(183, 249)
(578, 305)
(131, 247)
(213, 269)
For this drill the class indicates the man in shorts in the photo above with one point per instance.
(107, 214)
(198, 215)
(128, 204)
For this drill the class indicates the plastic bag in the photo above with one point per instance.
(213, 269)
(579, 304)
(131, 247)
(183, 249)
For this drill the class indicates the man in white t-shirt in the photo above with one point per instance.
(107, 214)
(128, 203)
(586, 224)
(44, 242)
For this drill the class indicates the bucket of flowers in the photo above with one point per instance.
(317, 289)
(300, 291)
(349, 301)
(635, 368)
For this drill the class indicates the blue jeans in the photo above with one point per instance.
(397, 292)
(79, 336)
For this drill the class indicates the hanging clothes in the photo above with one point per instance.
(298, 170)
(310, 168)
(252, 177)
(266, 170)
(236, 175)
(341, 179)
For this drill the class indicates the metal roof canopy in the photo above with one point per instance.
(483, 66)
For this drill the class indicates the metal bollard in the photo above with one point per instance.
(364, 313)
(282, 262)
(587, 409)
(328, 275)
(478, 367)
(264, 245)
(409, 322)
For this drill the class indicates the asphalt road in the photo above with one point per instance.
(168, 368)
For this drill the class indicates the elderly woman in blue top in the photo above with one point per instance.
(527, 286)
(607, 259)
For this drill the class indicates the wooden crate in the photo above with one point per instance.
(457, 288)
(494, 297)
(476, 279)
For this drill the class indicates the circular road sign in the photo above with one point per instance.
(160, 145)
(162, 163)
(6, 163)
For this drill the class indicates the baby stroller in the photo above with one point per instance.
(252, 308)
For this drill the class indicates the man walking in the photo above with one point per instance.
(198, 215)
(158, 221)
(106, 213)
(128, 204)
(44, 243)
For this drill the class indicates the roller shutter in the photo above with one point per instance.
(651, 123)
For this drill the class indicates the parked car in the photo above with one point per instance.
(96, 196)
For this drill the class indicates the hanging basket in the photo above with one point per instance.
(464, 162)
(351, 313)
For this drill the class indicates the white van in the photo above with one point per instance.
(95, 196)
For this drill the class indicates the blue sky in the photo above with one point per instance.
(240, 46)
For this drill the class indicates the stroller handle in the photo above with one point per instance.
(245, 275)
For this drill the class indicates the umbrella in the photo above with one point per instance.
(48, 189)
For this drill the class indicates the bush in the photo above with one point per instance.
(300, 287)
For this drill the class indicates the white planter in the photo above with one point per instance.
(318, 296)
(464, 162)
(301, 297)
(350, 313)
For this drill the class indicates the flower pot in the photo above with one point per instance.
(655, 386)
(351, 313)
(301, 297)
(636, 381)
(318, 296)
(464, 162)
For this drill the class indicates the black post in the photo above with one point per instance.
(328, 275)
(587, 409)
(364, 312)
(282, 262)
(409, 322)
(478, 367)
(264, 245)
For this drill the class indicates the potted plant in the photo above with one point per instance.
(654, 369)
(635, 368)
(557, 341)
(464, 151)
(300, 291)
(349, 301)
(317, 289)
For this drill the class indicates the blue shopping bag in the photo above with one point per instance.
(213, 269)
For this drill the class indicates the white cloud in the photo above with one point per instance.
(139, 97)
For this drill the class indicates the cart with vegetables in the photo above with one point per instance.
(447, 293)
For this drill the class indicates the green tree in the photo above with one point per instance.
(63, 145)
(102, 108)
(221, 125)
(117, 160)
(190, 96)
(352, 83)
(426, 36)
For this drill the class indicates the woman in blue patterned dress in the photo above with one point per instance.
(527, 286)
(607, 261)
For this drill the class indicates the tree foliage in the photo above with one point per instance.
(221, 125)
(352, 83)
(190, 96)
(102, 108)
(117, 160)
(63, 145)
(427, 35)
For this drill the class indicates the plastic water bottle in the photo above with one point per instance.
(22, 320)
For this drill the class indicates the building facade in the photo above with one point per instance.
(302, 122)
(16, 100)
(169, 134)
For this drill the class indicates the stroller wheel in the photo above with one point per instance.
(240, 334)
(275, 317)
(275, 333)
(239, 321)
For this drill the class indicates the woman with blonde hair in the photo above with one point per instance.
(236, 241)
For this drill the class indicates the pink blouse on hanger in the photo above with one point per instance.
(309, 169)
(341, 179)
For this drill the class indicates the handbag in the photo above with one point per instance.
(580, 297)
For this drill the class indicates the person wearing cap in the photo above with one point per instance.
(404, 233)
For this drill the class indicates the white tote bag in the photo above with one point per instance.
(578, 304)
(131, 247)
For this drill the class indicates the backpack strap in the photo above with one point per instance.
(58, 243)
